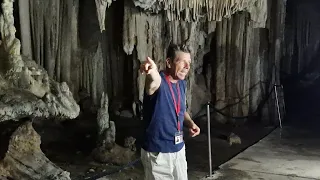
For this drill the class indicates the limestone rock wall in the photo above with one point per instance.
(25, 87)
(240, 66)
(150, 35)
(54, 36)
(239, 37)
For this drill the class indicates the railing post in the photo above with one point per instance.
(209, 139)
(277, 105)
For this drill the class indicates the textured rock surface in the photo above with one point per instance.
(109, 57)
(103, 65)
(24, 159)
(106, 128)
(107, 151)
(26, 89)
(195, 10)
(102, 5)
(117, 155)
(238, 64)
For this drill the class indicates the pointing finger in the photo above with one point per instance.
(149, 60)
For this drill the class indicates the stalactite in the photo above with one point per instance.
(192, 10)
(75, 69)
(246, 69)
(102, 5)
(149, 34)
(36, 10)
(231, 53)
(220, 71)
(52, 22)
(129, 28)
(256, 84)
(24, 14)
(96, 68)
(145, 4)
(238, 67)
(153, 33)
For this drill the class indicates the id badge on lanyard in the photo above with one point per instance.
(178, 137)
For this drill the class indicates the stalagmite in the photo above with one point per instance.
(107, 151)
(106, 128)
(24, 159)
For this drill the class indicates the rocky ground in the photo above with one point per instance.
(69, 146)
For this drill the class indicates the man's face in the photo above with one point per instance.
(180, 65)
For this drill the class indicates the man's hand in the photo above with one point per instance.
(153, 79)
(148, 66)
(194, 130)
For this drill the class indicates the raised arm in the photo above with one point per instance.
(153, 79)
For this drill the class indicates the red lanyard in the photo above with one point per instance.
(176, 105)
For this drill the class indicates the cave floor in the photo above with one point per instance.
(81, 166)
(290, 153)
(69, 146)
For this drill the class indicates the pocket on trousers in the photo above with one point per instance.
(155, 157)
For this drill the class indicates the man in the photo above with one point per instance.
(164, 114)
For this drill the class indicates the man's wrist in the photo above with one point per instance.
(189, 123)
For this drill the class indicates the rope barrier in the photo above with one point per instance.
(102, 174)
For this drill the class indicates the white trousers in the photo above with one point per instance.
(165, 166)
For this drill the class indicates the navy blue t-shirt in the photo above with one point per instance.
(160, 119)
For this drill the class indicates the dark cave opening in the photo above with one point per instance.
(300, 77)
